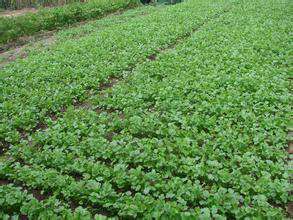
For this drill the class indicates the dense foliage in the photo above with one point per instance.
(14, 27)
(172, 112)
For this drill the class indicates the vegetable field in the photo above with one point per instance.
(14, 27)
(169, 112)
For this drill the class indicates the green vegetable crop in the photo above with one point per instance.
(176, 112)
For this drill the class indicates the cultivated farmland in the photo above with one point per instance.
(175, 112)
(14, 27)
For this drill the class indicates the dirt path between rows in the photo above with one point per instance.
(11, 13)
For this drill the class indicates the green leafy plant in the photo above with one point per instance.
(182, 120)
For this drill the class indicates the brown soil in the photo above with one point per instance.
(110, 136)
(111, 82)
(4, 145)
(290, 209)
(38, 195)
(152, 57)
(24, 217)
(82, 105)
(11, 13)
(4, 182)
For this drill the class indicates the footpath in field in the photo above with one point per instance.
(180, 112)
(10, 13)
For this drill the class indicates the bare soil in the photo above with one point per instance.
(4, 182)
(11, 13)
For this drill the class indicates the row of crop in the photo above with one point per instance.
(182, 196)
(46, 82)
(136, 166)
(11, 28)
(17, 203)
(202, 129)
